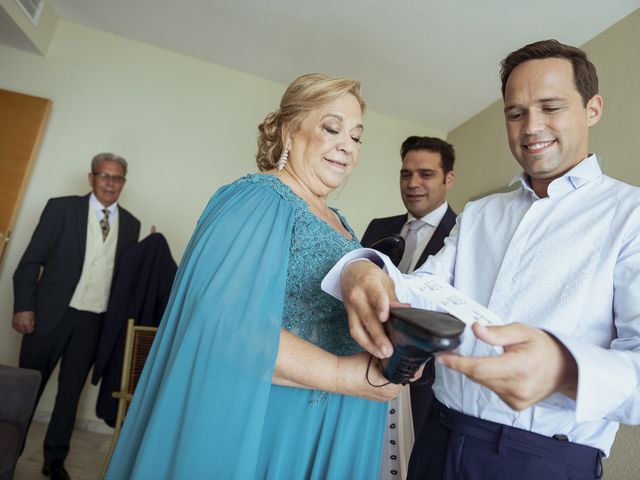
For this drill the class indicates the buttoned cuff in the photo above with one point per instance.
(331, 282)
(606, 378)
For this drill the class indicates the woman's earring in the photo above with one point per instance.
(284, 158)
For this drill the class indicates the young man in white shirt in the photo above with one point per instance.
(559, 262)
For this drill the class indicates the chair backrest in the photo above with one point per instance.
(136, 349)
(142, 338)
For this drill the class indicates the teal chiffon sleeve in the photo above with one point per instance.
(199, 409)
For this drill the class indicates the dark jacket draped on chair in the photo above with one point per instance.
(140, 291)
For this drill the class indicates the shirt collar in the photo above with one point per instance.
(432, 218)
(584, 172)
(98, 207)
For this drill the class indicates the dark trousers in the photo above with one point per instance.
(454, 446)
(422, 396)
(74, 344)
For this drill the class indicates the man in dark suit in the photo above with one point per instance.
(61, 289)
(425, 178)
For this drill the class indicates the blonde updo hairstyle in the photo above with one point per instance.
(305, 94)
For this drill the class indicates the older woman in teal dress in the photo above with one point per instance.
(253, 373)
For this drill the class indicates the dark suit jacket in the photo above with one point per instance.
(383, 227)
(57, 247)
(140, 291)
(421, 395)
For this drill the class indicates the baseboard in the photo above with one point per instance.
(96, 426)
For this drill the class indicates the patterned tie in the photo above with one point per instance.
(104, 224)
(410, 242)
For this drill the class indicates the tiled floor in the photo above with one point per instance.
(84, 462)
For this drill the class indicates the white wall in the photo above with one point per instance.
(186, 127)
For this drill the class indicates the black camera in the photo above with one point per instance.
(417, 334)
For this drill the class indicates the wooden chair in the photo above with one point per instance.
(136, 349)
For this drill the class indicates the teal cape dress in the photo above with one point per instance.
(205, 406)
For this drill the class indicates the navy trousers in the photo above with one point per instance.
(455, 446)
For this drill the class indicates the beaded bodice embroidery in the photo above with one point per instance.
(310, 313)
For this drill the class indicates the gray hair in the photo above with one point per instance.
(108, 157)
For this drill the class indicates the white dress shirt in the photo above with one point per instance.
(97, 207)
(568, 263)
(431, 220)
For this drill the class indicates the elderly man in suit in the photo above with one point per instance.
(61, 288)
(425, 178)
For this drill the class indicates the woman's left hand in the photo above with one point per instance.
(353, 378)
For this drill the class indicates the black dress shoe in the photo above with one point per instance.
(55, 470)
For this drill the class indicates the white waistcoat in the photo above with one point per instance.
(92, 292)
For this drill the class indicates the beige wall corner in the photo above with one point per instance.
(483, 161)
(615, 138)
(18, 31)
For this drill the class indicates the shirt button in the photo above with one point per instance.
(393, 457)
(393, 425)
(392, 411)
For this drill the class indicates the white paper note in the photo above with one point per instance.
(453, 301)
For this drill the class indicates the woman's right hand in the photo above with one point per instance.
(351, 378)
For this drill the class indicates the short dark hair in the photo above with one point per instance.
(584, 72)
(432, 144)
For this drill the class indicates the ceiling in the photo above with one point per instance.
(434, 63)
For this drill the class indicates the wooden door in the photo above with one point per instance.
(22, 122)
